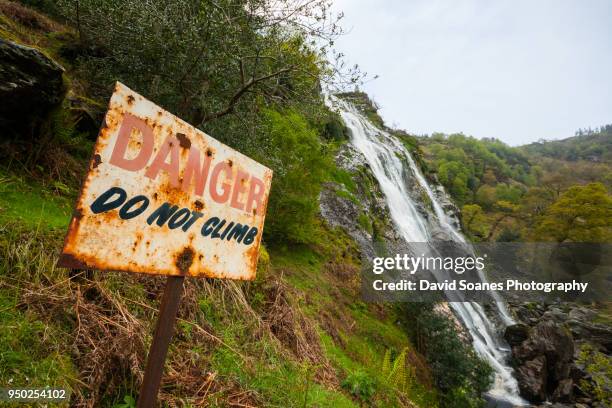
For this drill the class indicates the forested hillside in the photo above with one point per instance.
(529, 193)
(593, 145)
(468, 166)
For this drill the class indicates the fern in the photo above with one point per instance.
(397, 374)
(386, 366)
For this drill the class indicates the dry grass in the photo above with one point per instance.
(295, 331)
(107, 342)
(27, 17)
(344, 272)
(109, 327)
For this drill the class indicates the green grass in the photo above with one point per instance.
(281, 382)
(364, 222)
(363, 349)
(29, 354)
(31, 204)
(347, 195)
(33, 352)
(338, 355)
(344, 177)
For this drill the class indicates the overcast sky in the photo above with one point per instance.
(518, 70)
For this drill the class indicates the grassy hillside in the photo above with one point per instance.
(296, 336)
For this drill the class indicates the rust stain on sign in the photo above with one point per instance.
(162, 197)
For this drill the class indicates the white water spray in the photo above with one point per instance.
(381, 151)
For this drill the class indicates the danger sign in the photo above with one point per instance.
(162, 197)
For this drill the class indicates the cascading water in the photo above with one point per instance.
(381, 151)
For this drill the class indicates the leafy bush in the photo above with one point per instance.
(300, 163)
(460, 397)
(458, 372)
(581, 214)
(335, 130)
(128, 402)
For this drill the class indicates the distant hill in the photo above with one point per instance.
(590, 145)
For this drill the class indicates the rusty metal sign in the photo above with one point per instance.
(162, 197)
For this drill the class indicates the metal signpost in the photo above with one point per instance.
(162, 197)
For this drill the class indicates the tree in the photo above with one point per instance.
(485, 196)
(454, 175)
(581, 214)
(207, 59)
(293, 149)
(505, 210)
(460, 374)
(557, 178)
(535, 201)
(474, 220)
(505, 192)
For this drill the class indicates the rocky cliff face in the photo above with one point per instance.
(362, 213)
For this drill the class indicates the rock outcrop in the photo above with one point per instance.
(31, 85)
(544, 360)
(579, 319)
(545, 349)
(516, 334)
(531, 376)
(362, 213)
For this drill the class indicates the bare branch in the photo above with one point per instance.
(240, 92)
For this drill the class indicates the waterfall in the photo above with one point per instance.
(384, 154)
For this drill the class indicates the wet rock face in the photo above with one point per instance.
(448, 205)
(363, 213)
(544, 358)
(30, 85)
(556, 333)
(340, 212)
